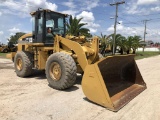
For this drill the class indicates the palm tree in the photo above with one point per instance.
(136, 43)
(129, 43)
(75, 27)
(122, 41)
(104, 43)
(118, 37)
(133, 42)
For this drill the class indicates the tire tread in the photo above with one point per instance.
(70, 70)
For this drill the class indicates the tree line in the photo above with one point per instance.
(76, 28)
(123, 44)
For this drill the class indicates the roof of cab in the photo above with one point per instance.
(48, 10)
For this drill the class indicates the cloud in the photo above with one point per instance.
(89, 4)
(79, 6)
(124, 30)
(93, 30)
(51, 6)
(11, 4)
(0, 13)
(157, 9)
(33, 5)
(147, 2)
(1, 32)
(89, 19)
(152, 34)
(12, 34)
(140, 8)
(14, 30)
(23, 8)
(87, 16)
(133, 8)
(72, 8)
(118, 28)
(70, 12)
(69, 4)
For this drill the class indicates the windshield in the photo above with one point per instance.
(56, 23)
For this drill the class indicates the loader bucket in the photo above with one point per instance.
(113, 81)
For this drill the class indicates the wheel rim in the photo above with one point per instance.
(55, 71)
(19, 64)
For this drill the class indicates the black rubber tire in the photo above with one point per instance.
(68, 70)
(5, 51)
(27, 64)
(100, 56)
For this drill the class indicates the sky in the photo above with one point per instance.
(98, 14)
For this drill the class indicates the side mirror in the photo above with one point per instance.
(38, 15)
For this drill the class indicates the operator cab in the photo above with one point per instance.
(46, 24)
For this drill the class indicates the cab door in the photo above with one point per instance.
(38, 27)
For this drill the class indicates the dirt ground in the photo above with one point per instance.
(32, 99)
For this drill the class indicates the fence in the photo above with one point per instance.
(154, 49)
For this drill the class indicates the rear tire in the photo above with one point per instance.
(61, 71)
(23, 64)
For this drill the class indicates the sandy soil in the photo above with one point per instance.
(32, 99)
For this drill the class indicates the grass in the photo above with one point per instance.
(145, 54)
(3, 54)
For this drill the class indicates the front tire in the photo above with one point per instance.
(23, 64)
(61, 71)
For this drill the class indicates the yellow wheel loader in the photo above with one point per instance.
(110, 82)
(8, 48)
(4, 49)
